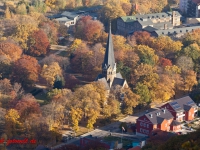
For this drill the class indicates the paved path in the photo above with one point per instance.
(106, 130)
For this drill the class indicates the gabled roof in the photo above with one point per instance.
(159, 115)
(118, 75)
(109, 58)
(118, 81)
(184, 103)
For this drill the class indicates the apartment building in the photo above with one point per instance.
(168, 117)
(129, 24)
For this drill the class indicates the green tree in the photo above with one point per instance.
(143, 91)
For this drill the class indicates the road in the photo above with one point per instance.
(106, 130)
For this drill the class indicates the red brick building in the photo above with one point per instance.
(182, 109)
(168, 117)
(158, 119)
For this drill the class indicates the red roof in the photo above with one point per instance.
(135, 148)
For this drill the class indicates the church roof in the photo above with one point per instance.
(118, 75)
(109, 59)
(118, 81)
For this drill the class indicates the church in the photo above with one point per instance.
(109, 76)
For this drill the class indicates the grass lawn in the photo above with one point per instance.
(114, 139)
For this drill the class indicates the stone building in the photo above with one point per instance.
(109, 76)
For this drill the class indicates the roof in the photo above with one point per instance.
(128, 18)
(157, 15)
(176, 30)
(186, 101)
(146, 17)
(63, 19)
(118, 81)
(159, 115)
(109, 58)
(175, 123)
(149, 29)
(118, 75)
(70, 15)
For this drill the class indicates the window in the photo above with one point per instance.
(141, 130)
(147, 125)
(144, 124)
(141, 124)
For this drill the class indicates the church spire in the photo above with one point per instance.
(109, 59)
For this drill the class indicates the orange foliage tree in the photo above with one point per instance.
(10, 50)
(39, 43)
(88, 29)
(25, 70)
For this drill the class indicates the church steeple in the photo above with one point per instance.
(109, 59)
(109, 65)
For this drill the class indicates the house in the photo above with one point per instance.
(193, 8)
(159, 119)
(109, 75)
(129, 24)
(182, 109)
(67, 18)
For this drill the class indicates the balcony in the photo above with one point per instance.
(180, 115)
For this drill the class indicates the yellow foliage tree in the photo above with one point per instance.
(50, 3)
(76, 43)
(190, 79)
(12, 121)
(49, 72)
(22, 32)
(7, 13)
(75, 116)
(93, 115)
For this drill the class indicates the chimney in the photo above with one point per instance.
(164, 111)
(165, 26)
(173, 17)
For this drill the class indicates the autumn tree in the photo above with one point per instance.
(185, 63)
(165, 62)
(111, 10)
(7, 13)
(190, 80)
(50, 28)
(49, 72)
(22, 33)
(71, 81)
(38, 43)
(146, 54)
(21, 9)
(191, 37)
(75, 115)
(88, 29)
(25, 71)
(62, 61)
(27, 106)
(11, 51)
(130, 100)
(142, 38)
(12, 122)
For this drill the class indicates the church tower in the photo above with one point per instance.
(109, 65)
